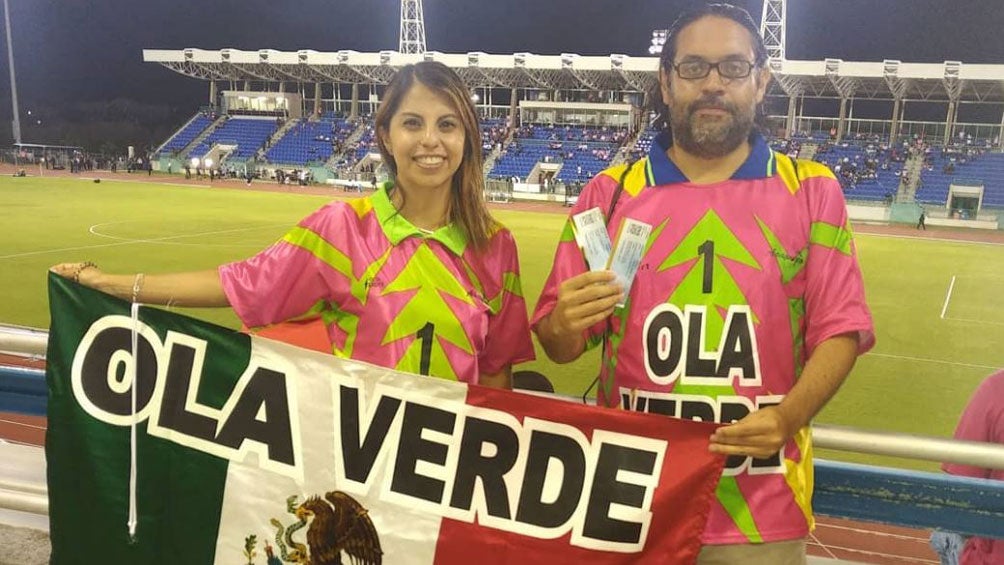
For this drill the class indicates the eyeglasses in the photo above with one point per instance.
(728, 69)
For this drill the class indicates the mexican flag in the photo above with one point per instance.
(172, 440)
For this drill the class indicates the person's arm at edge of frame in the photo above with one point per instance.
(764, 432)
(199, 289)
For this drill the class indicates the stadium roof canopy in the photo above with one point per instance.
(829, 78)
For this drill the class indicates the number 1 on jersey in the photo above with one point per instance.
(708, 250)
(426, 335)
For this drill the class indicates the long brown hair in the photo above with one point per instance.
(467, 190)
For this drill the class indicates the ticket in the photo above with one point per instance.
(629, 246)
(592, 237)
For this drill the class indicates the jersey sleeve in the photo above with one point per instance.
(834, 294)
(507, 341)
(568, 258)
(290, 279)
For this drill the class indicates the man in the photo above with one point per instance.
(748, 305)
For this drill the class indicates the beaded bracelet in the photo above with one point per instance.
(80, 269)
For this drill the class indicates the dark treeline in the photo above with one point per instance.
(103, 127)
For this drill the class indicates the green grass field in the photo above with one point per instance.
(916, 380)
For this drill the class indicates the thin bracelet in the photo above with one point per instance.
(80, 269)
(136, 286)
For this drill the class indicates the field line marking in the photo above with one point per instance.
(21, 424)
(126, 242)
(826, 548)
(939, 361)
(968, 321)
(62, 249)
(93, 231)
(870, 553)
(948, 297)
(866, 528)
(860, 232)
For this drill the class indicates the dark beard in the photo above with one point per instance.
(714, 140)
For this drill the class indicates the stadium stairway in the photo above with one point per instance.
(624, 151)
(202, 136)
(913, 166)
(198, 121)
(808, 151)
(275, 137)
(350, 141)
(493, 155)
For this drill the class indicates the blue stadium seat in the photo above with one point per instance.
(248, 134)
(583, 151)
(986, 169)
(309, 141)
(186, 135)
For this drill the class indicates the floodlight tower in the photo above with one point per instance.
(412, 27)
(16, 125)
(772, 27)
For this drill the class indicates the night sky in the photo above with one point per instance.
(91, 50)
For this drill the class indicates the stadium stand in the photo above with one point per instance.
(967, 165)
(493, 132)
(366, 145)
(248, 134)
(868, 170)
(583, 152)
(310, 141)
(186, 134)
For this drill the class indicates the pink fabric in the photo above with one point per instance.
(982, 420)
(747, 277)
(323, 268)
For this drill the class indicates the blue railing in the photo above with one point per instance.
(909, 498)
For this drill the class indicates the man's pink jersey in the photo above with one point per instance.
(739, 282)
(389, 293)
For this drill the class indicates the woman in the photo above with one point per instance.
(416, 277)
